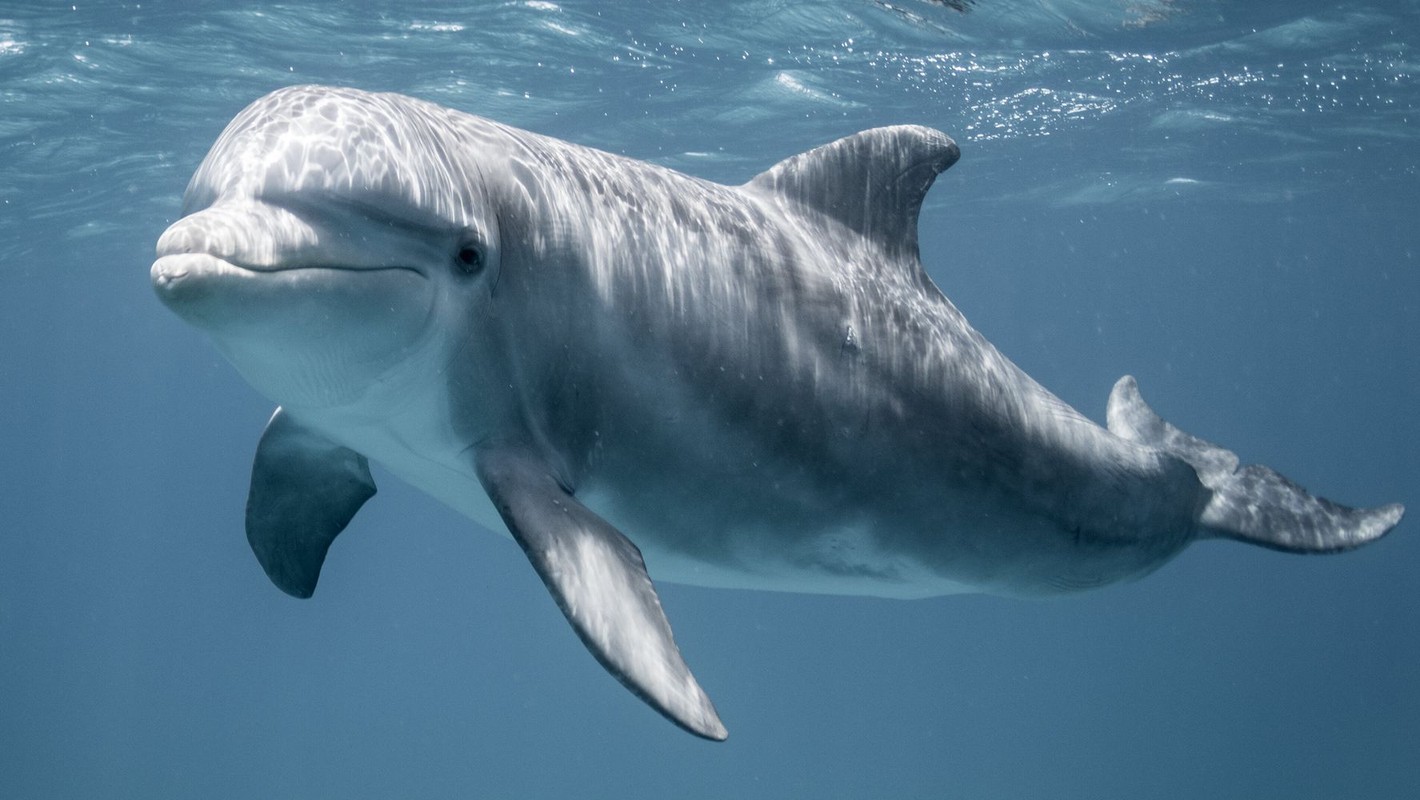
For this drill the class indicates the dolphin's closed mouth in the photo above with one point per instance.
(170, 271)
(200, 286)
(172, 267)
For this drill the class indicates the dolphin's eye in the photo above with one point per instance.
(469, 259)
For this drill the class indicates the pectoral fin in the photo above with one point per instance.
(304, 491)
(599, 580)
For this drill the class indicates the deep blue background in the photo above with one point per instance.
(1219, 200)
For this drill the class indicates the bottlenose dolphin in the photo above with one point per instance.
(644, 373)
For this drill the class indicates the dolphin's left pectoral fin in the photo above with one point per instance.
(599, 581)
(304, 491)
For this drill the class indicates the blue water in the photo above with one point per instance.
(1220, 198)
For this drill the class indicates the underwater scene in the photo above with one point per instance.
(799, 329)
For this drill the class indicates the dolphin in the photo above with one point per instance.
(639, 373)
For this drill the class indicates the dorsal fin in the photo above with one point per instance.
(873, 182)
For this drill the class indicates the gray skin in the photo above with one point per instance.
(641, 373)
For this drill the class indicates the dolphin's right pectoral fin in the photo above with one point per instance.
(599, 580)
(304, 491)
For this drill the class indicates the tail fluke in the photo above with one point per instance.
(1253, 503)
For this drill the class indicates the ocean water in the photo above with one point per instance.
(1219, 198)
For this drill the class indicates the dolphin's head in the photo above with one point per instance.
(330, 237)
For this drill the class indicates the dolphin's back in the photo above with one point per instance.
(796, 333)
(774, 357)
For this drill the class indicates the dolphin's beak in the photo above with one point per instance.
(251, 234)
(237, 265)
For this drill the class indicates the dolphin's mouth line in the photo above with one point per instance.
(326, 268)
(223, 264)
